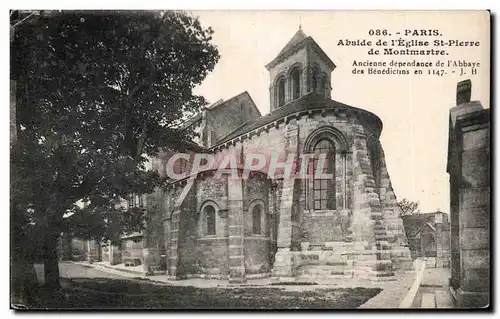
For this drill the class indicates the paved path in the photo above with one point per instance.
(393, 292)
(391, 296)
(254, 283)
(434, 290)
(71, 270)
(75, 270)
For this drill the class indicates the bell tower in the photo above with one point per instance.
(301, 67)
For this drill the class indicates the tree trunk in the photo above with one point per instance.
(23, 281)
(51, 261)
(23, 275)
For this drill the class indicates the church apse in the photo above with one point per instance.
(344, 224)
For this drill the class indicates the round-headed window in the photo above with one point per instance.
(209, 213)
(257, 219)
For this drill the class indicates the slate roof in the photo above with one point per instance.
(297, 37)
(414, 224)
(307, 102)
(218, 104)
(299, 40)
(221, 103)
(192, 120)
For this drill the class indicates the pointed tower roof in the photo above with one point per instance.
(299, 40)
(297, 37)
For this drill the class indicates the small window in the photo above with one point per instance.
(315, 79)
(324, 85)
(203, 161)
(210, 218)
(183, 166)
(211, 137)
(281, 92)
(179, 166)
(256, 220)
(135, 200)
(296, 83)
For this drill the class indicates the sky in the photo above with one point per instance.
(414, 109)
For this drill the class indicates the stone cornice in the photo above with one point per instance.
(209, 173)
(478, 118)
(307, 41)
(343, 113)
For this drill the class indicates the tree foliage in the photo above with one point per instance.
(408, 207)
(97, 93)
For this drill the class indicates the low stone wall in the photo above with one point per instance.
(105, 253)
(132, 253)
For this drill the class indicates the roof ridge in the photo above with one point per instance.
(225, 101)
(298, 37)
(310, 101)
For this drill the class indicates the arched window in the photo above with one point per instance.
(209, 213)
(324, 188)
(281, 91)
(135, 200)
(295, 75)
(181, 166)
(256, 220)
(323, 85)
(315, 79)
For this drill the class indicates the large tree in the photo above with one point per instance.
(98, 92)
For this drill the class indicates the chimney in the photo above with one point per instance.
(464, 91)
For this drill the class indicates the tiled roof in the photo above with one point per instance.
(192, 120)
(413, 224)
(299, 40)
(218, 104)
(297, 37)
(309, 101)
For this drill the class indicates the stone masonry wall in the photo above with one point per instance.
(256, 246)
(395, 232)
(395, 229)
(474, 216)
(188, 259)
(154, 232)
(364, 201)
(256, 187)
(223, 120)
(132, 248)
(256, 252)
(236, 231)
(322, 227)
(213, 251)
(368, 227)
(283, 68)
(214, 256)
(211, 189)
(169, 206)
(181, 196)
(190, 252)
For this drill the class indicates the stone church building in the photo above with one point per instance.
(286, 228)
(429, 238)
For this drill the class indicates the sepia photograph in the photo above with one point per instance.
(250, 160)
